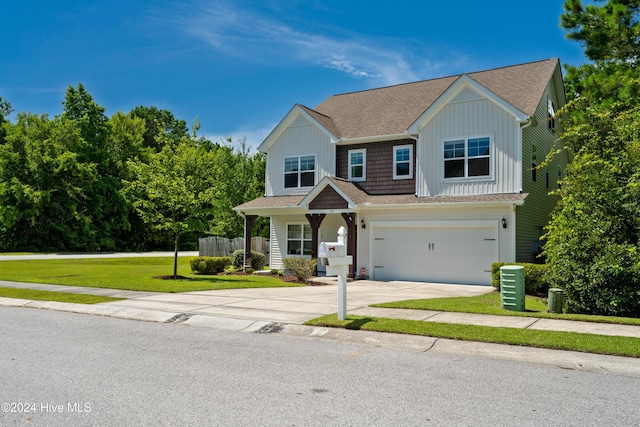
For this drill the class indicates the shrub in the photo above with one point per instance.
(535, 282)
(210, 265)
(230, 269)
(258, 260)
(302, 268)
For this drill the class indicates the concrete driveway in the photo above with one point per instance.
(294, 305)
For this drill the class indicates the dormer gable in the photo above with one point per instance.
(465, 89)
(299, 115)
(332, 193)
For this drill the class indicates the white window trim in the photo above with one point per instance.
(299, 156)
(395, 149)
(364, 164)
(466, 178)
(302, 240)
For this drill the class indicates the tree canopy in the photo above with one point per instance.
(592, 240)
(64, 181)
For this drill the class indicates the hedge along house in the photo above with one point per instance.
(434, 180)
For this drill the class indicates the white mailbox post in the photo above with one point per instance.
(334, 256)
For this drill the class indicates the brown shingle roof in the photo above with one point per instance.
(391, 110)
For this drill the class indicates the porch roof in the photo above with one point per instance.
(361, 199)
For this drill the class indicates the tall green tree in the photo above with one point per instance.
(592, 240)
(239, 177)
(42, 186)
(174, 191)
(161, 126)
(108, 210)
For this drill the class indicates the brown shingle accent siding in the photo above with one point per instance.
(328, 199)
(379, 172)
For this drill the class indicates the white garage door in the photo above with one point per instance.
(460, 254)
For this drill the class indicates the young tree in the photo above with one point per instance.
(174, 191)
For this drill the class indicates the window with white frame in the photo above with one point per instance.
(467, 158)
(403, 162)
(357, 165)
(299, 171)
(552, 114)
(299, 239)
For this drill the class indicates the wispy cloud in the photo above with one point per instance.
(255, 35)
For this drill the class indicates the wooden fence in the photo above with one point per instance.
(221, 246)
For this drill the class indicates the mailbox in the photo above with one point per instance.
(327, 250)
(334, 256)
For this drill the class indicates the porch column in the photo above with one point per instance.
(314, 220)
(352, 239)
(249, 221)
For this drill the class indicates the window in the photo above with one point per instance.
(559, 177)
(357, 165)
(534, 162)
(299, 171)
(546, 177)
(464, 158)
(403, 162)
(552, 115)
(299, 239)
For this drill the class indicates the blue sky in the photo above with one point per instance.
(239, 66)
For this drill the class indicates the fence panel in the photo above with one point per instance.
(221, 246)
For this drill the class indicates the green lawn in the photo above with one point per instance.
(136, 274)
(600, 344)
(32, 294)
(490, 304)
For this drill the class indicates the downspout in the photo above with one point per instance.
(531, 120)
(416, 138)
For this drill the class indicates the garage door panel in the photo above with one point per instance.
(438, 254)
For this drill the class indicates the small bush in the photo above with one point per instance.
(230, 269)
(276, 272)
(210, 265)
(258, 260)
(534, 277)
(302, 268)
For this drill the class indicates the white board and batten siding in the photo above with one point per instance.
(466, 118)
(300, 139)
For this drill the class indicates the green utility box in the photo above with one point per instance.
(556, 300)
(512, 287)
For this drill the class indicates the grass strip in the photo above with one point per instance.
(490, 304)
(572, 341)
(32, 294)
(134, 274)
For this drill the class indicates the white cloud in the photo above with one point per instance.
(256, 36)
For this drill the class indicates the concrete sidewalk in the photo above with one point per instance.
(296, 305)
(284, 310)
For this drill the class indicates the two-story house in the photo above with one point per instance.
(433, 180)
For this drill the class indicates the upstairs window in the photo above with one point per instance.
(357, 165)
(534, 162)
(299, 239)
(299, 171)
(467, 158)
(552, 115)
(403, 162)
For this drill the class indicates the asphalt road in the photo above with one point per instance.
(65, 369)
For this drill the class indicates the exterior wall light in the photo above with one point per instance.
(504, 222)
(362, 224)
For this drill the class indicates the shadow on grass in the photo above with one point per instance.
(358, 323)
